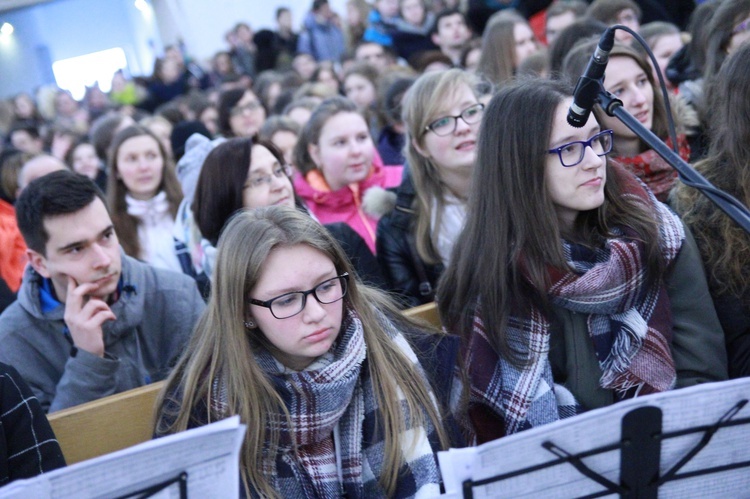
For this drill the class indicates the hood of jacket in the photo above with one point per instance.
(128, 308)
(189, 167)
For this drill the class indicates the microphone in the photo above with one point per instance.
(587, 88)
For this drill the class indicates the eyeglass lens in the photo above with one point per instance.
(291, 304)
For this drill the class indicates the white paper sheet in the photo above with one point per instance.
(701, 405)
(209, 455)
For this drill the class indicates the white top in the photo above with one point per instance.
(451, 225)
(155, 225)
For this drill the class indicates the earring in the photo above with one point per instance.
(249, 324)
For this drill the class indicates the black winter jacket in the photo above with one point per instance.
(411, 279)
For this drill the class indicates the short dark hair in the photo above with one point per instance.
(444, 13)
(317, 4)
(58, 193)
(218, 193)
(577, 7)
(227, 100)
(25, 126)
(606, 11)
(281, 10)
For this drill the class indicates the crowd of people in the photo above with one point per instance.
(250, 229)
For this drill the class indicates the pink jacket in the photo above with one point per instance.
(345, 205)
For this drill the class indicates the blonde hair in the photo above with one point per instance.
(222, 348)
(422, 103)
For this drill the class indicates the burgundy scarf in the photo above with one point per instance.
(658, 175)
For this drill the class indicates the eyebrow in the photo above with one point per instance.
(571, 138)
(84, 242)
(324, 276)
(262, 170)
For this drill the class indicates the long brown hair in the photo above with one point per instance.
(724, 246)
(497, 61)
(575, 64)
(126, 225)
(512, 234)
(222, 348)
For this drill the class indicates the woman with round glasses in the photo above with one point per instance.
(241, 113)
(342, 396)
(246, 173)
(630, 78)
(571, 285)
(442, 115)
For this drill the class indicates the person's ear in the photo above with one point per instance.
(421, 150)
(250, 323)
(38, 262)
(314, 151)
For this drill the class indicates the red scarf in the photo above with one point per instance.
(658, 175)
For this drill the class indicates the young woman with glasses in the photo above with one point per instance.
(244, 173)
(241, 113)
(441, 115)
(571, 285)
(342, 396)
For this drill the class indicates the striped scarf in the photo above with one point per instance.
(629, 322)
(335, 393)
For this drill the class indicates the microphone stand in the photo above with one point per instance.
(726, 203)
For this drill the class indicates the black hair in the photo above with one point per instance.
(444, 13)
(58, 193)
(317, 4)
(25, 126)
(281, 10)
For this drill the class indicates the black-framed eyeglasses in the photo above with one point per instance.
(257, 181)
(290, 304)
(572, 153)
(250, 106)
(447, 124)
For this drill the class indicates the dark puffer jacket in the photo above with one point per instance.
(411, 279)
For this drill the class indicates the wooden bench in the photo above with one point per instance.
(106, 425)
(427, 312)
(123, 420)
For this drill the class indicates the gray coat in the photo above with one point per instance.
(156, 312)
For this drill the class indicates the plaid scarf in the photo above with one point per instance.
(658, 175)
(336, 392)
(629, 323)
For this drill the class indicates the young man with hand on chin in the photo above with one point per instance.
(89, 320)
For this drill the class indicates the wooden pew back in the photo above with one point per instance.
(106, 425)
(427, 312)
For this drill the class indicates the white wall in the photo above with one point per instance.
(68, 28)
(201, 24)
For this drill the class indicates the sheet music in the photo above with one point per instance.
(700, 405)
(209, 454)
